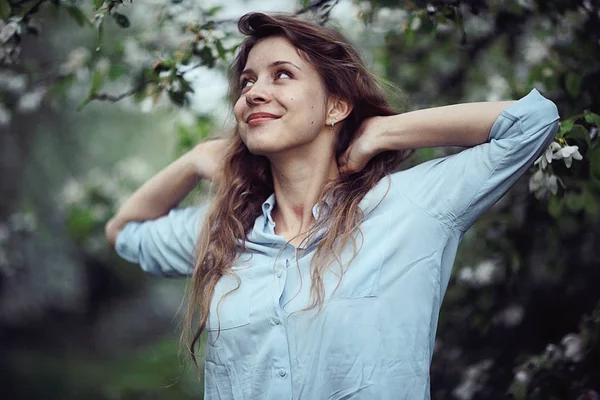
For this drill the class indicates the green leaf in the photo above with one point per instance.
(121, 20)
(221, 50)
(80, 223)
(212, 11)
(594, 157)
(580, 135)
(573, 84)
(100, 25)
(5, 10)
(574, 202)
(206, 56)
(590, 204)
(98, 4)
(116, 71)
(566, 126)
(592, 118)
(97, 79)
(78, 15)
(409, 34)
(555, 206)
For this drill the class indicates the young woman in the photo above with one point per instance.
(318, 270)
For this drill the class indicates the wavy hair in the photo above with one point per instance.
(247, 179)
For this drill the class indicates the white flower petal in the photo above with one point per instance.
(552, 184)
(554, 146)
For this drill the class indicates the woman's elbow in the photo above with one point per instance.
(111, 230)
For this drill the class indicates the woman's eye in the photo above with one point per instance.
(246, 83)
(284, 75)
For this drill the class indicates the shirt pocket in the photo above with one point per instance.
(230, 304)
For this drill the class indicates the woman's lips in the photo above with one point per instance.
(260, 120)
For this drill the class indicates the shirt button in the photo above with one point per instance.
(278, 273)
(276, 321)
(282, 372)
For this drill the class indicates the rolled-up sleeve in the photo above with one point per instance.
(457, 189)
(165, 246)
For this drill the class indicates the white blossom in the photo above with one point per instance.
(553, 353)
(31, 101)
(473, 380)
(22, 222)
(8, 30)
(76, 60)
(572, 344)
(103, 65)
(486, 272)
(12, 81)
(146, 105)
(133, 169)
(72, 193)
(99, 211)
(483, 274)
(546, 157)
(498, 86)
(466, 274)
(415, 23)
(510, 316)
(535, 51)
(568, 153)
(542, 183)
(522, 377)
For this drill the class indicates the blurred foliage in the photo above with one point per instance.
(526, 273)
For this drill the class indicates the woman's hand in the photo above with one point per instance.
(364, 147)
(208, 158)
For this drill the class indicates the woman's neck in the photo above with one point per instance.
(298, 184)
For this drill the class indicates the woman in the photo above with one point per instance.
(319, 270)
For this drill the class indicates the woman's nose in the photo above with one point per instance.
(256, 95)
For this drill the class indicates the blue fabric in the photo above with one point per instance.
(374, 337)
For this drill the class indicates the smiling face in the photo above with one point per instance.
(282, 104)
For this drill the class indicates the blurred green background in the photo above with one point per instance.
(96, 96)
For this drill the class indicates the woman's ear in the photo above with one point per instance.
(337, 110)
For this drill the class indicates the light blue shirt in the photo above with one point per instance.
(374, 337)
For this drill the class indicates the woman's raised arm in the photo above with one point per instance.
(168, 187)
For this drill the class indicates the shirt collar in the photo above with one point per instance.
(318, 210)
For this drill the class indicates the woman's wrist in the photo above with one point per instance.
(391, 133)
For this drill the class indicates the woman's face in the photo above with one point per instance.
(282, 103)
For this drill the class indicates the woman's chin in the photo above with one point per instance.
(262, 149)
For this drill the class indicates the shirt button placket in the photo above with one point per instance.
(281, 359)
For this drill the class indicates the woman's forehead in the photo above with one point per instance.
(273, 49)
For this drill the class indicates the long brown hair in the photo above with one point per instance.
(247, 180)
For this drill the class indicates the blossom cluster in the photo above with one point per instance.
(544, 182)
(90, 201)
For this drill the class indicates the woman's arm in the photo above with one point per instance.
(457, 189)
(167, 188)
(464, 125)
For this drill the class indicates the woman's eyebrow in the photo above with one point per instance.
(273, 64)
